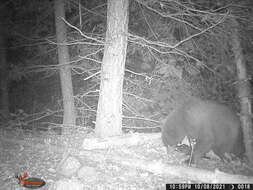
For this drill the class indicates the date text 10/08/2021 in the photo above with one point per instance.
(209, 186)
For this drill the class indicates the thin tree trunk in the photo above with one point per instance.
(4, 102)
(244, 92)
(109, 112)
(65, 69)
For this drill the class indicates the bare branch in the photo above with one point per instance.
(142, 118)
(94, 74)
(82, 34)
(169, 16)
(202, 32)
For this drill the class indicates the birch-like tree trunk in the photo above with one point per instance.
(65, 69)
(109, 112)
(244, 92)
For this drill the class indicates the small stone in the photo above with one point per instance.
(51, 170)
(67, 184)
(69, 167)
(87, 173)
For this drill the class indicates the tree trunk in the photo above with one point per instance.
(65, 69)
(4, 95)
(109, 112)
(244, 92)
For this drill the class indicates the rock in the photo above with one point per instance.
(67, 184)
(87, 173)
(69, 167)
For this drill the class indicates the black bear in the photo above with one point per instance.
(214, 127)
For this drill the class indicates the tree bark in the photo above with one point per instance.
(244, 92)
(4, 94)
(109, 112)
(65, 69)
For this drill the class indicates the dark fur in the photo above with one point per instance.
(214, 126)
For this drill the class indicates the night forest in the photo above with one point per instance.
(125, 94)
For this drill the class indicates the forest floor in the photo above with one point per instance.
(69, 162)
